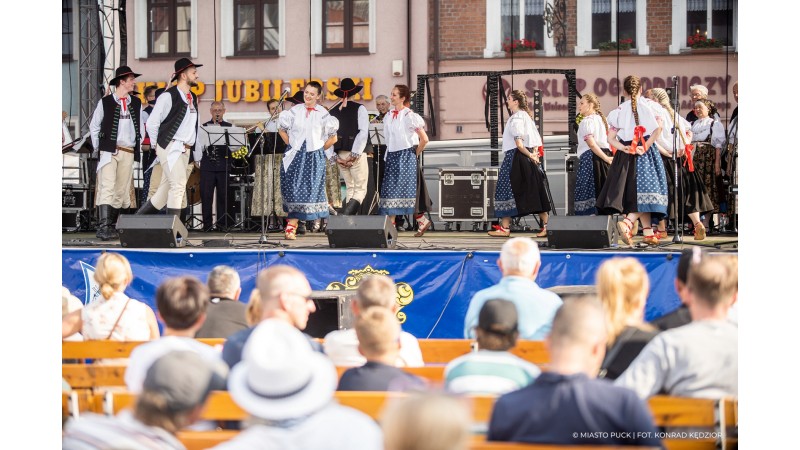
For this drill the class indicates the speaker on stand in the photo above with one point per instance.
(361, 232)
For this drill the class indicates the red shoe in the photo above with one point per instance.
(624, 227)
(291, 232)
(500, 231)
(423, 223)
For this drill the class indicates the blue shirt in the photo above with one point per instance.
(375, 376)
(574, 410)
(536, 307)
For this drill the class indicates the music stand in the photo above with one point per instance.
(375, 133)
(232, 138)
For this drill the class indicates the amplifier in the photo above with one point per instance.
(75, 196)
(467, 193)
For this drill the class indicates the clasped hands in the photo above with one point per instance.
(349, 161)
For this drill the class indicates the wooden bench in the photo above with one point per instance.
(434, 351)
(668, 412)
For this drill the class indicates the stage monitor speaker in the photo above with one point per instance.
(151, 231)
(361, 232)
(581, 232)
(333, 312)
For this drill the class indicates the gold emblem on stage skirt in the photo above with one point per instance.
(404, 297)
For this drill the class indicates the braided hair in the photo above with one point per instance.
(660, 96)
(633, 85)
(520, 97)
(595, 101)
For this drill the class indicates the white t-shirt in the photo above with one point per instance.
(145, 355)
(341, 346)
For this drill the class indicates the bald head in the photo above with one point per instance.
(578, 338)
(520, 256)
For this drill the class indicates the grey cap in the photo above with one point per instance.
(498, 316)
(182, 377)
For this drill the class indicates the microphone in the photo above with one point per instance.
(284, 94)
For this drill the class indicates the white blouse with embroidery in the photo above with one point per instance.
(592, 126)
(520, 125)
(400, 132)
(622, 119)
(701, 128)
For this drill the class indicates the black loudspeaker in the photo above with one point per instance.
(333, 312)
(151, 231)
(581, 232)
(361, 232)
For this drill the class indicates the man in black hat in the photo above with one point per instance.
(174, 123)
(116, 130)
(349, 148)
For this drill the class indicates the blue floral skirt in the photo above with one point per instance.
(635, 183)
(592, 174)
(399, 186)
(303, 185)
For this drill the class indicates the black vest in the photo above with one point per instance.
(169, 126)
(149, 109)
(110, 124)
(348, 125)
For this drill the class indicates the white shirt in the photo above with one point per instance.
(520, 125)
(400, 132)
(144, 355)
(592, 126)
(187, 131)
(312, 129)
(341, 346)
(622, 119)
(126, 132)
(701, 128)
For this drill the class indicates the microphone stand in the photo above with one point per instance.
(260, 141)
(677, 236)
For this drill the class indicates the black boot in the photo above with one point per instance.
(352, 207)
(112, 224)
(174, 212)
(148, 208)
(103, 222)
(301, 227)
(184, 215)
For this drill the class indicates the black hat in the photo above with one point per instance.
(498, 316)
(297, 98)
(347, 88)
(122, 71)
(181, 65)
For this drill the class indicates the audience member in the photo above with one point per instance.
(287, 388)
(342, 345)
(284, 293)
(70, 304)
(680, 316)
(226, 314)
(438, 421)
(113, 316)
(622, 285)
(700, 359)
(181, 304)
(519, 262)
(492, 369)
(254, 309)
(566, 404)
(173, 395)
(378, 334)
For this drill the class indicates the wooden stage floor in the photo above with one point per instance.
(432, 240)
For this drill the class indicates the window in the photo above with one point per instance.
(345, 26)
(522, 19)
(169, 27)
(257, 28)
(610, 17)
(716, 14)
(66, 30)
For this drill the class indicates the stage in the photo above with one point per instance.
(436, 274)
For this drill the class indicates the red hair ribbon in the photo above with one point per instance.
(689, 162)
(638, 137)
(541, 151)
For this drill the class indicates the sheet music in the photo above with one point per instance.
(376, 134)
(215, 135)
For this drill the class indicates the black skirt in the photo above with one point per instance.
(691, 191)
(618, 194)
(528, 186)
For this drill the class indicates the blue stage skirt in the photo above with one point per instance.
(636, 183)
(592, 174)
(303, 185)
(399, 187)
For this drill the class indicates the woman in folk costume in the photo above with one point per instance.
(708, 135)
(636, 183)
(309, 130)
(520, 184)
(402, 191)
(693, 199)
(593, 154)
